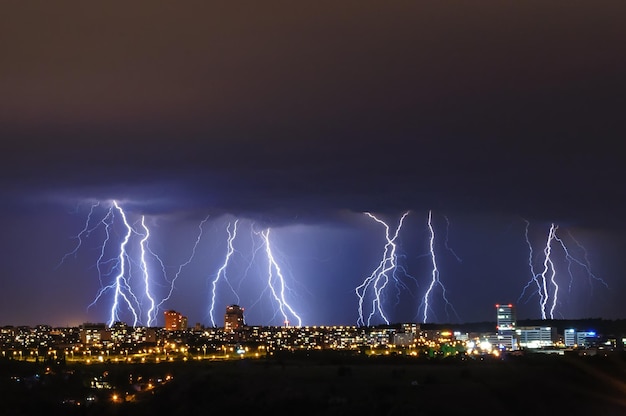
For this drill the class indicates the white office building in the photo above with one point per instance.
(536, 337)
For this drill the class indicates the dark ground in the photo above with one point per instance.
(331, 385)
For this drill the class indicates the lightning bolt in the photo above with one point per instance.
(221, 272)
(120, 264)
(106, 222)
(255, 249)
(376, 282)
(546, 281)
(252, 261)
(435, 278)
(184, 264)
(120, 286)
(534, 275)
(446, 241)
(116, 270)
(541, 279)
(146, 274)
(586, 264)
(84, 232)
(548, 267)
(275, 277)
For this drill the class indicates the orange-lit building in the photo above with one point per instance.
(175, 321)
(233, 319)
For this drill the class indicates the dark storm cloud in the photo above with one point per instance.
(286, 113)
(285, 109)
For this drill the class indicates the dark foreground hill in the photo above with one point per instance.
(340, 385)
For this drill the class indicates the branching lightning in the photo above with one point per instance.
(124, 250)
(221, 272)
(125, 263)
(115, 272)
(276, 283)
(255, 249)
(546, 282)
(435, 278)
(120, 285)
(146, 275)
(83, 233)
(586, 265)
(548, 269)
(183, 265)
(446, 241)
(376, 282)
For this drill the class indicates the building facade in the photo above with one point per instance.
(94, 334)
(536, 337)
(175, 321)
(581, 339)
(233, 319)
(505, 325)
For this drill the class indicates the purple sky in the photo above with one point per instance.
(300, 118)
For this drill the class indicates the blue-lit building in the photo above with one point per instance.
(582, 339)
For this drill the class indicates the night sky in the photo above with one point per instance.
(493, 119)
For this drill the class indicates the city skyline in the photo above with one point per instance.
(296, 138)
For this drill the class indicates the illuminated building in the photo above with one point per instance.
(404, 339)
(94, 334)
(505, 318)
(175, 321)
(410, 328)
(586, 338)
(536, 337)
(233, 319)
(121, 333)
(505, 324)
(581, 339)
(569, 337)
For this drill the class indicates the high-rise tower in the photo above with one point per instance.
(506, 320)
(175, 321)
(505, 324)
(233, 319)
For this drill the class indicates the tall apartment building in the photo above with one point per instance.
(505, 325)
(175, 321)
(233, 319)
